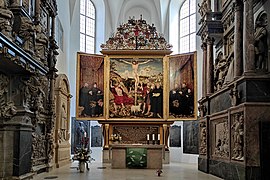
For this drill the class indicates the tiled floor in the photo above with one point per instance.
(99, 171)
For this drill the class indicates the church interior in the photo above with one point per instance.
(143, 89)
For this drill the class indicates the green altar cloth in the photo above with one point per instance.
(136, 158)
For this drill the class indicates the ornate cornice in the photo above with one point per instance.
(19, 57)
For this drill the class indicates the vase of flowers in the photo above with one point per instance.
(115, 138)
(83, 155)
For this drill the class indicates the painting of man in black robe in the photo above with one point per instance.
(91, 86)
(182, 87)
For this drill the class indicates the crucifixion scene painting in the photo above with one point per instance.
(136, 88)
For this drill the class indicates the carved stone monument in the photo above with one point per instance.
(62, 134)
(234, 109)
(27, 104)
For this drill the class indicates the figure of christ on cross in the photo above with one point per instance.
(135, 67)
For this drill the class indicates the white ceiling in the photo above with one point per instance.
(119, 11)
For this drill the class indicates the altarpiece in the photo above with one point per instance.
(136, 89)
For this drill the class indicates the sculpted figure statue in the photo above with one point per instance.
(41, 46)
(238, 128)
(6, 18)
(27, 33)
(260, 37)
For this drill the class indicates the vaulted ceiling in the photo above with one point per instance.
(119, 11)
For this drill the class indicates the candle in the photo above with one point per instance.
(84, 134)
(158, 137)
(147, 137)
(153, 137)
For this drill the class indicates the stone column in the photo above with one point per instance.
(37, 11)
(238, 39)
(209, 5)
(165, 140)
(248, 36)
(204, 70)
(210, 66)
(106, 136)
(52, 78)
(53, 27)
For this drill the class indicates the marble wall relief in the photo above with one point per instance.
(7, 108)
(237, 136)
(38, 149)
(203, 138)
(35, 89)
(220, 138)
(136, 134)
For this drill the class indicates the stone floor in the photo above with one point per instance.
(102, 171)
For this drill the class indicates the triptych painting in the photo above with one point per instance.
(136, 87)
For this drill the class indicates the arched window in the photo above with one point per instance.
(87, 26)
(188, 26)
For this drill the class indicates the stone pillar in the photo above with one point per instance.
(248, 36)
(210, 66)
(53, 27)
(37, 13)
(204, 70)
(209, 5)
(106, 136)
(165, 140)
(238, 39)
(52, 78)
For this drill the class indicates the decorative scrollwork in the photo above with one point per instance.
(203, 138)
(222, 140)
(136, 34)
(6, 19)
(7, 108)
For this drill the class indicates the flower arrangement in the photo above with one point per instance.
(82, 154)
(115, 138)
